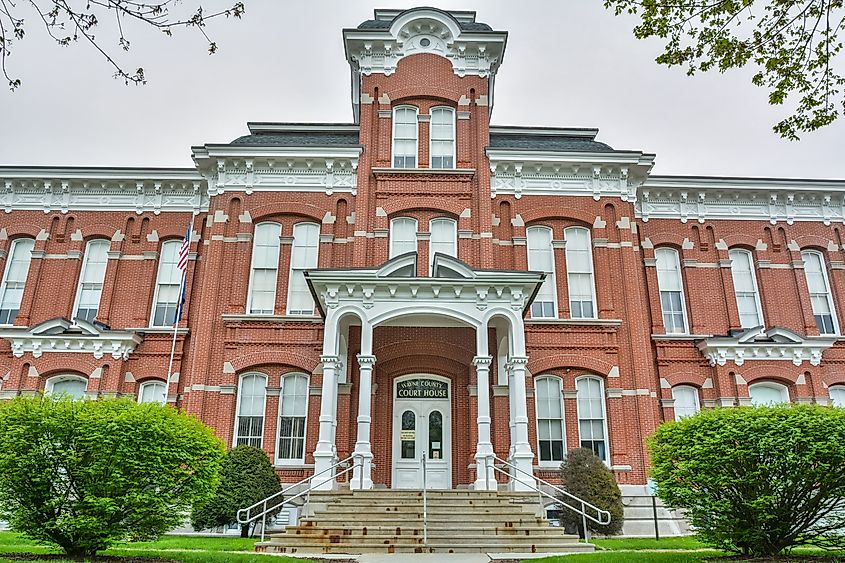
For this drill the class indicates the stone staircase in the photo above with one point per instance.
(391, 521)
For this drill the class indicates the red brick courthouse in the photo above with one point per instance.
(420, 280)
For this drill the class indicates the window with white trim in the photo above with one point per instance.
(14, 279)
(579, 272)
(442, 127)
(403, 236)
(745, 287)
(153, 391)
(168, 285)
(405, 132)
(304, 256)
(541, 259)
(592, 421)
(249, 425)
(820, 297)
(265, 268)
(73, 386)
(671, 290)
(293, 411)
(444, 238)
(837, 395)
(91, 279)
(768, 393)
(686, 401)
(551, 438)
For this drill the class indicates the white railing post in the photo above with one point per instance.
(425, 501)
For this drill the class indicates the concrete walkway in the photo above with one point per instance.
(424, 557)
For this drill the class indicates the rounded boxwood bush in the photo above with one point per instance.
(756, 480)
(84, 474)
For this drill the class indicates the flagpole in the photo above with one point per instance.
(176, 326)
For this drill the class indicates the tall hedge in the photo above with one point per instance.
(756, 480)
(83, 474)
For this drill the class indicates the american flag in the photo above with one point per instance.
(182, 264)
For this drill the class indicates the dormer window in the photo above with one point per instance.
(442, 138)
(405, 145)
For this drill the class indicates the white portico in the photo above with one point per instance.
(455, 295)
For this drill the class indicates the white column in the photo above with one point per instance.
(362, 475)
(485, 478)
(523, 457)
(324, 454)
(511, 422)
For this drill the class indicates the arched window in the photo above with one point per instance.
(671, 290)
(579, 272)
(686, 401)
(73, 386)
(265, 268)
(592, 421)
(541, 259)
(837, 395)
(249, 426)
(306, 247)
(293, 412)
(444, 238)
(14, 279)
(822, 302)
(405, 130)
(152, 392)
(768, 393)
(403, 236)
(168, 284)
(91, 279)
(442, 137)
(551, 437)
(745, 286)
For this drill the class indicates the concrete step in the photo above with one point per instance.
(440, 547)
(392, 531)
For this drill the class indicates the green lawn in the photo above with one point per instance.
(190, 549)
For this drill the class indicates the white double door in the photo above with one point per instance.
(422, 426)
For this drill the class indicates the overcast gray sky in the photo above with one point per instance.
(567, 63)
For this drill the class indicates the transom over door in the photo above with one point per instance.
(422, 424)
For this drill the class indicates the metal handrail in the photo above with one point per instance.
(425, 500)
(602, 517)
(244, 514)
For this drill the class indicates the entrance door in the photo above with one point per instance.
(422, 416)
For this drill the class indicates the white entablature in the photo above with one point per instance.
(140, 190)
(749, 199)
(757, 344)
(592, 174)
(279, 169)
(62, 335)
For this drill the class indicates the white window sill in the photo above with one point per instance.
(441, 171)
(574, 322)
(291, 465)
(680, 336)
(159, 330)
(281, 319)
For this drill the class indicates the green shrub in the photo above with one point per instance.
(83, 474)
(246, 477)
(756, 480)
(585, 475)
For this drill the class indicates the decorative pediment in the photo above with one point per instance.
(446, 266)
(62, 335)
(758, 344)
(402, 266)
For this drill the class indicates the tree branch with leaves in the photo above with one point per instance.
(69, 21)
(794, 45)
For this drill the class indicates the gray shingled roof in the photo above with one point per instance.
(526, 141)
(299, 139)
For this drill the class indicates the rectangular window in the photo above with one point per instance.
(591, 415)
(91, 280)
(745, 286)
(249, 428)
(405, 137)
(304, 256)
(541, 259)
(686, 401)
(442, 138)
(265, 267)
(293, 410)
(579, 271)
(550, 428)
(403, 236)
(168, 285)
(820, 297)
(14, 279)
(671, 290)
